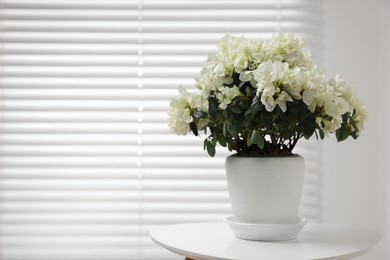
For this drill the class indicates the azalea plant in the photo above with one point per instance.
(259, 98)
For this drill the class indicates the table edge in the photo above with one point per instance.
(208, 257)
(184, 252)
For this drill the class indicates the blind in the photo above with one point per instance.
(88, 165)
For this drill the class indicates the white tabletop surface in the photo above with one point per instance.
(214, 240)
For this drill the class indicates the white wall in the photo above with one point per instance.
(385, 76)
(354, 172)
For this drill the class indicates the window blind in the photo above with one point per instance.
(88, 165)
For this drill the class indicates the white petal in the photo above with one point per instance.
(308, 97)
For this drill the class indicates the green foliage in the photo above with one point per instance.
(249, 129)
(194, 128)
(213, 107)
(209, 145)
(348, 128)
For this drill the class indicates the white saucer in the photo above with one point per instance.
(266, 232)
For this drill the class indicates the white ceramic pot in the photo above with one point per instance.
(265, 190)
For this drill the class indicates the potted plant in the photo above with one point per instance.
(258, 99)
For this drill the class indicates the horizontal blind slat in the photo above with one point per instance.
(113, 173)
(96, 150)
(91, 207)
(102, 60)
(94, 94)
(116, 196)
(109, 27)
(157, 5)
(93, 83)
(151, 38)
(51, 116)
(156, 15)
(105, 218)
(88, 164)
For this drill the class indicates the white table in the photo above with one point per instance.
(214, 240)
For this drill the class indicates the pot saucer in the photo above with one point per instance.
(266, 232)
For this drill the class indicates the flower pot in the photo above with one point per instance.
(265, 190)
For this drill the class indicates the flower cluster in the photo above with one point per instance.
(259, 98)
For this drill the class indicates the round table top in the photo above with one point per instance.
(214, 240)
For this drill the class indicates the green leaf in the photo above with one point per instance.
(266, 115)
(296, 110)
(224, 129)
(229, 146)
(233, 131)
(213, 107)
(353, 122)
(258, 139)
(255, 108)
(249, 140)
(221, 140)
(308, 129)
(338, 134)
(210, 149)
(353, 112)
(322, 134)
(194, 128)
(290, 131)
(315, 132)
(235, 110)
(343, 133)
(344, 119)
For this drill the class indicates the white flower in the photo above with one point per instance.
(180, 112)
(355, 104)
(179, 116)
(265, 86)
(339, 85)
(277, 72)
(335, 106)
(246, 76)
(360, 115)
(239, 54)
(181, 106)
(309, 98)
(269, 102)
(271, 77)
(226, 95)
(313, 86)
(331, 126)
(213, 75)
(258, 54)
(292, 82)
(178, 127)
(281, 100)
(287, 47)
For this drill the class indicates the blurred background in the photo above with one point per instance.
(88, 165)
(356, 179)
